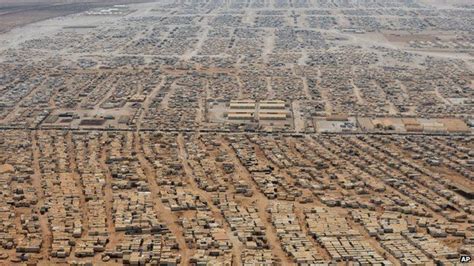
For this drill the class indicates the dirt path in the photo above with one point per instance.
(147, 102)
(202, 37)
(357, 93)
(306, 88)
(299, 213)
(325, 92)
(268, 45)
(70, 150)
(412, 109)
(270, 91)
(441, 97)
(36, 182)
(165, 214)
(298, 120)
(207, 197)
(113, 238)
(261, 203)
(241, 87)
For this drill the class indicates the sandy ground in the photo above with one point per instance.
(19, 13)
(447, 3)
(259, 200)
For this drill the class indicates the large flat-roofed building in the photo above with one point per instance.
(413, 128)
(275, 104)
(239, 115)
(242, 104)
(267, 114)
(337, 117)
(272, 116)
(271, 111)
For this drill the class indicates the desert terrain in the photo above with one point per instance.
(260, 132)
(15, 13)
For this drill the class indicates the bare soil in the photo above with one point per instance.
(23, 12)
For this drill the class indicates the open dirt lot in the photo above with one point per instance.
(19, 13)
